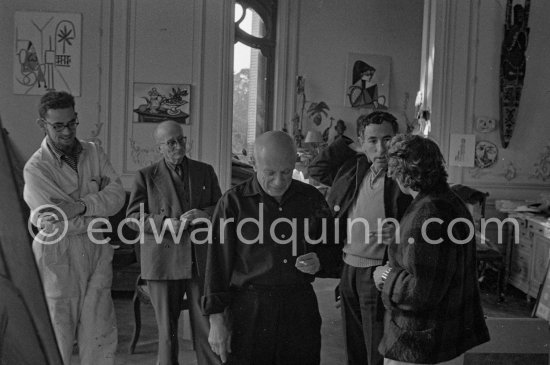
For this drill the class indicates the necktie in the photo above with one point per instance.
(179, 171)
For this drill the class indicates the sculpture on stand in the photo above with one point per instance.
(512, 67)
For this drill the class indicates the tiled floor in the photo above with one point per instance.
(332, 346)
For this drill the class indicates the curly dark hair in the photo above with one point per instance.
(55, 100)
(417, 162)
(377, 117)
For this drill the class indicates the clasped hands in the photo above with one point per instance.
(64, 210)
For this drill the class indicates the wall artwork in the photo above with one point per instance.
(486, 154)
(485, 125)
(155, 103)
(461, 150)
(512, 66)
(47, 52)
(368, 81)
(542, 305)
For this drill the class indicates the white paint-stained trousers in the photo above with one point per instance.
(77, 276)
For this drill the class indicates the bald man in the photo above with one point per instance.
(175, 194)
(268, 244)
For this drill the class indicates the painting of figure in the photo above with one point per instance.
(367, 84)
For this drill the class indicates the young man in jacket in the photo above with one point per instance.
(74, 179)
(359, 196)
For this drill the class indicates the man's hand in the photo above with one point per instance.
(377, 276)
(71, 209)
(46, 223)
(188, 218)
(385, 236)
(308, 263)
(219, 336)
(103, 182)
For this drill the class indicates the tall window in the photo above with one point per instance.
(254, 73)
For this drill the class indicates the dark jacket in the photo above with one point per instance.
(432, 291)
(264, 250)
(341, 168)
(154, 188)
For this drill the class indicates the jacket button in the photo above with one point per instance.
(285, 261)
(336, 208)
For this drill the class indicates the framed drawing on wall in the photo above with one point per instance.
(155, 103)
(368, 81)
(47, 52)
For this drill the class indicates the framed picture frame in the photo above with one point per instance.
(47, 52)
(155, 103)
(367, 81)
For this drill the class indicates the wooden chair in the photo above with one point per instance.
(488, 253)
(141, 295)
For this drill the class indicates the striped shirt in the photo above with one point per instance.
(71, 158)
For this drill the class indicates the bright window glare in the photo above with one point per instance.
(241, 57)
(238, 11)
(241, 52)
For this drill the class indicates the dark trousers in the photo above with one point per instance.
(275, 327)
(362, 316)
(167, 297)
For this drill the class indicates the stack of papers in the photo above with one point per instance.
(528, 208)
(508, 205)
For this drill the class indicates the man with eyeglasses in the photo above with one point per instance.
(361, 192)
(175, 198)
(68, 184)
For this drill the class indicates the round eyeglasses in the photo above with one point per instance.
(172, 143)
(59, 127)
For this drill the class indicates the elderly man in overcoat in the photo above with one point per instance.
(170, 202)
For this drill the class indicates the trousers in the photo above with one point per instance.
(275, 326)
(362, 316)
(167, 298)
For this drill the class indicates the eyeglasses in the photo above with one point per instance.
(59, 127)
(171, 143)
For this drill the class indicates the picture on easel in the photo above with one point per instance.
(542, 305)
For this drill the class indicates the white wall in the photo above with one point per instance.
(124, 42)
(169, 41)
(329, 30)
(532, 132)
(19, 112)
(467, 87)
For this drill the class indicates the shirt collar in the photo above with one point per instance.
(172, 166)
(252, 187)
(59, 154)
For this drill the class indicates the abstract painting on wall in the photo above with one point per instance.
(47, 52)
(368, 81)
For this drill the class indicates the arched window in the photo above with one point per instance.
(254, 73)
